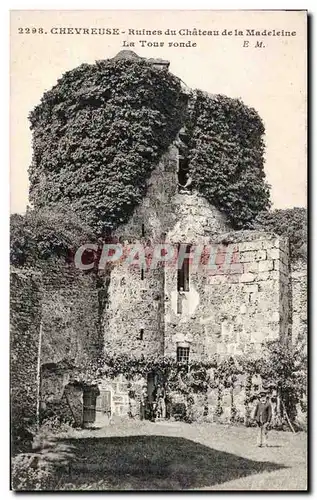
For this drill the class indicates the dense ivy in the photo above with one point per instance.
(25, 315)
(43, 237)
(281, 366)
(289, 222)
(226, 156)
(43, 242)
(98, 134)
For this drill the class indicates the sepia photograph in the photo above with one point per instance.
(158, 250)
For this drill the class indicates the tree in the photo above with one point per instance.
(285, 368)
(46, 236)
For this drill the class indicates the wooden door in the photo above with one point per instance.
(103, 404)
(89, 404)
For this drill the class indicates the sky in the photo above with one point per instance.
(270, 77)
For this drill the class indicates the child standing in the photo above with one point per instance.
(263, 417)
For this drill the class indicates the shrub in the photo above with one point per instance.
(290, 223)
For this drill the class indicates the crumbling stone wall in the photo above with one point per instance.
(228, 310)
(70, 319)
(238, 308)
(124, 397)
(298, 292)
(137, 305)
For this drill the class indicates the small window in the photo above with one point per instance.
(184, 178)
(182, 354)
(183, 272)
(143, 230)
(141, 334)
(142, 273)
(183, 170)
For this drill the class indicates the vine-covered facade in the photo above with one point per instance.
(137, 156)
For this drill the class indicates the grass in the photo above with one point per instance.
(176, 456)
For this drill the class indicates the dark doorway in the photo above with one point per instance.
(89, 404)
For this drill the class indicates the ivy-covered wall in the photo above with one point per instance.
(138, 303)
(225, 149)
(71, 302)
(216, 389)
(100, 132)
(25, 317)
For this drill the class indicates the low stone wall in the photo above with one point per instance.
(125, 401)
(119, 397)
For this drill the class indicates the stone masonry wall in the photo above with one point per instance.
(136, 304)
(155, 210)
(298, 291)
(135, 316)
(232, 311)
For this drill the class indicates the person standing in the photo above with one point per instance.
(160, 399)
(144, 404)
(263, 417)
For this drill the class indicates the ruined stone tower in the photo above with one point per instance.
(248, 295)
(227, 311)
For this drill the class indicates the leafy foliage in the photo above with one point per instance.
(226, 156)
(285, 369)
(282, 366)
(24, 339)
(289, 222)
(46, 236)
(98, 134)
